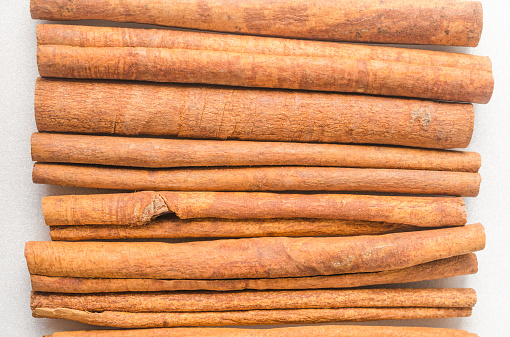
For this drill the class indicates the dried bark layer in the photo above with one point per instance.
(302, 331)
(141, 207)
(250, 63)
(131, 108)
(457, 23)
(164, 153)
(257, 300)
(252, 317)
(171, 227)
(250, 258)
(264, 178)
(449, 267)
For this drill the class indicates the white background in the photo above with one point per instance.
(21, 217)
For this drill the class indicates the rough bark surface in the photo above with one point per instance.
(128, 108)
(259, 179)
(456, 23)
(252, 317)
(171, 227)
(358, 69)
(141, 207)
(164, 153)
(302, 331)
(453, 266)
(250, 258)
(257, 300)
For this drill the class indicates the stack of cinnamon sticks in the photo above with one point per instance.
(226, 149)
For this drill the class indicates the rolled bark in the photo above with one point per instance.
(164, 153)
(302, 331)
(127, 108)
(449, 267)
(250, 258)
(358, 69)
(141, 207)
(257, 300)
(171, 227)
(252, 317)
(277, 179)
(457, 23)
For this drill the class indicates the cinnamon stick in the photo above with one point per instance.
(399, 72)
(171, 227)
(455, 22)
(252, 317)
(257, 300)
(302, 331)
(141, 207)
(288, 178)
(163, 153)
(250, 258)
(449, 267)
(131, 108)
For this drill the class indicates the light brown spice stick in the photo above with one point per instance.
(250, 258)
(135, 108)
(449, 267)
(264, 178)
(354, 74)
(454, 22)
(257, 300)
(141, 207)
(252, 317)
(171, 227)
(93, 36)
(302, 331)
(164, 153)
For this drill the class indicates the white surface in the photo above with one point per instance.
(21, 216)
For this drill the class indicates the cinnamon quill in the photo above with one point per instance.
(302, 331)
(188, 111)
(252, 317)
(141, 207)
(288, 178)
(266, 257)
(355, 69)
(455, 22)
(449, 267)
(163, 153)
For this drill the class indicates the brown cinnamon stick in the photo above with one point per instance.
(171, 227)
(257, 300)
(250, 258)
(302, 331)
(449, 267)
(127, 108)
(252, 317)
(454, 22)
(399, 72)
(162, 153)
(288, 178)
(141, 207)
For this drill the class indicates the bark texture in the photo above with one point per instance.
(164, 153)
(257, 300)
(171, 227)
(259, 179)
(188, 111)
(302, 331)
(250, 258)
(449, 267)
(359, 69)
(252, 317)
(141, 207)
(456, 23)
